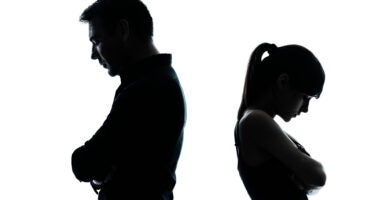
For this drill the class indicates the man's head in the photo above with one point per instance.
(116, 29)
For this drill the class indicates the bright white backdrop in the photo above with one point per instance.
(54, 97)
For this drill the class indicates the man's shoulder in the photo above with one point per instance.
(157, 81)
(156, 87)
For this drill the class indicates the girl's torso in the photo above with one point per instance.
(264, 176)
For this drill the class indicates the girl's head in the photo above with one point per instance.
(288, 68)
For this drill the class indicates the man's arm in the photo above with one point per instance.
(90, 161)
(136, 129)
(94, 160)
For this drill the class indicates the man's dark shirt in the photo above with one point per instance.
(139, 144)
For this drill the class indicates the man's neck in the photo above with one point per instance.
(138, 54)
(144, 52)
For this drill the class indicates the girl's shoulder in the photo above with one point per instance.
(258, 128)
(255, 113)
(256, 117)
(258, 133)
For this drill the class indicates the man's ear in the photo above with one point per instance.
(283, 81)
(123, 29)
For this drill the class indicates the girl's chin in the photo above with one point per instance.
(286, 118)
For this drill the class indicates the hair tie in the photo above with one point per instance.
(272, 48)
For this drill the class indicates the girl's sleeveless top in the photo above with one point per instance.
(270, 180)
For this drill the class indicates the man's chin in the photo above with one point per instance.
(112, 73)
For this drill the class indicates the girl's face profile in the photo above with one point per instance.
(291, 103)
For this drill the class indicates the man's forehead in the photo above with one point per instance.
(98, 27)
(94, 27)
(96, 21)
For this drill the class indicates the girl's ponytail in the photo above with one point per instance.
(254, 66)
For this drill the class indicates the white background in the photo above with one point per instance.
(54, 97)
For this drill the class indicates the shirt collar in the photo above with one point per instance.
(144, 67)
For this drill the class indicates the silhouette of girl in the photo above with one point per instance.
(271, 164)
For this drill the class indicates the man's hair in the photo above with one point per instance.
(111, 11)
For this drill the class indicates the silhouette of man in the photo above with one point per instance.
(135, 152)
